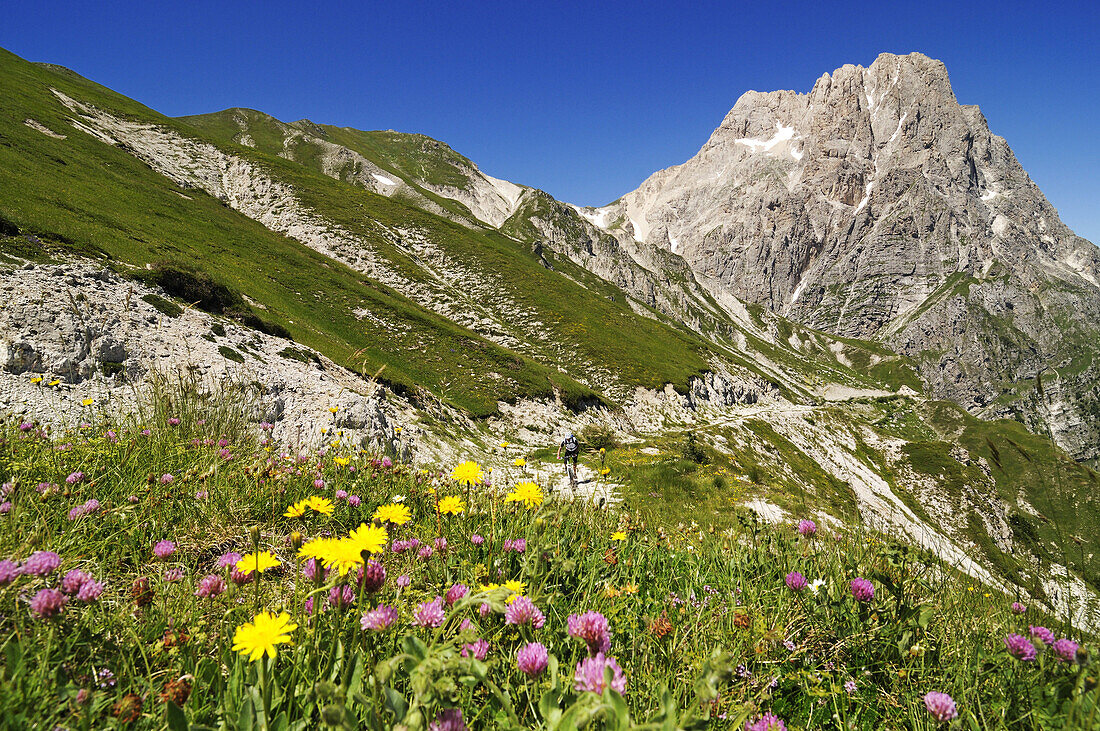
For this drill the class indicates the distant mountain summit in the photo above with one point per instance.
(877, 206)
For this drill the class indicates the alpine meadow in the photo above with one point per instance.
(284, 406)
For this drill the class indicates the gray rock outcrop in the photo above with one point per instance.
(877, 206)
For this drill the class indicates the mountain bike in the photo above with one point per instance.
(571, 472)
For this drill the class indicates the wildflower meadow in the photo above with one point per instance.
(185, 570)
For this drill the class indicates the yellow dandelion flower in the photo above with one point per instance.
(318, 548)
(605, 471)
(504, 445)
(527, 493)
(260, 636)
(261, 562)
(468, 473)
(629, 589)
(511, 598)
(342, 555)
(451, 505)
(618, 535)
(87, 402)
(36, 379)
(54, 382)
(520, 462)
(297, 510)
(516, 587)
(369, 538)
(611, 592)
(320, 504)
(342, 461)
(393, 513)
(333, 409)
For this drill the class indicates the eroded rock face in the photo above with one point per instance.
(877, 206)
(88, 333)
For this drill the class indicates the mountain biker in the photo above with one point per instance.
(572, 449)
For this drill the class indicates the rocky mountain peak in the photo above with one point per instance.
(877, 206)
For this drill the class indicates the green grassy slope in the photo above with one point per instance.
(92, 195)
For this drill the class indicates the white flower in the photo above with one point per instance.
(397, 499)
(816, 584)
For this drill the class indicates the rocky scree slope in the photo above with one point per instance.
(877, 206)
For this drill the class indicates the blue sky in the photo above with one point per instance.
(584, 100)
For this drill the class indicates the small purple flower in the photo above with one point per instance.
(202, 495)
(455, 593)
(91, 591)
(9, 571)
(146, 432)
(464, 625)
(940, 706)
(74, 580)
(105, 678)
(41, 563)
(164, 549)
(479, 649)
(589, 675)
(5, 507)
(1041, 633)
(87, 508)
(341, 596)
(399, 546)
(1020, 647)
(807, 528)
(743, 672)
(1018, 608)
(111, 437)
(133, 499)
(210, 586)
(441, 544)
(430, 614)
(341, 494)
(173, 421)
(387, 462)
(404, 581)
(850, 687)
(796, 581)
(173, 575)
(863, 590)
(25, 426)
(372, 577)
(531, 659)
(228, 559)
(519, 545)
(767, 722)
(378, 618)
(223, 442)
(523, 611)
(425, 552)
(318, 484)
(592, 627)
(74, 478)
(1065, 650)
(476, 539)
(167, 478)
(48, 602)
(484, 609)
(354, 500)
(449, 720)
(791, 647)
(225, 454)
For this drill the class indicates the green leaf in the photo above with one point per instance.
(175, 717)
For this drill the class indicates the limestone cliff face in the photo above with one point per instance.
(877, 206)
